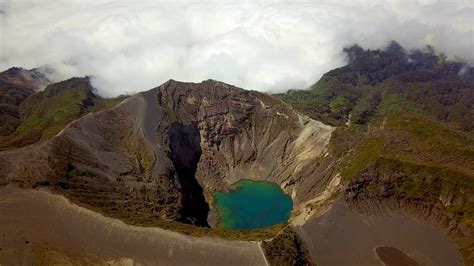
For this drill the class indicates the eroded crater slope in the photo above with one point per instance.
(161, 154)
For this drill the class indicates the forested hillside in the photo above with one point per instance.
(405, 133)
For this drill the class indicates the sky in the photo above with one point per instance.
(271, 46)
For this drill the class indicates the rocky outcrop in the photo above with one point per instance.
(160, 154)
(245, 134)
(33, 79)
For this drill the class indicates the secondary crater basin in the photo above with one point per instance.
(252, 204)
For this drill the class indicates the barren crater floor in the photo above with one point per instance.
(342, 237)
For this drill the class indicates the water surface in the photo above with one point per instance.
(252, 204)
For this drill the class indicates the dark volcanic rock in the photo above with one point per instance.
(162, 153)
(185, 152)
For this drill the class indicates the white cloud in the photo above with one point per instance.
(265, 45)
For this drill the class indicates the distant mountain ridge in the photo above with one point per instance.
(16, 84)
(375, 80)
(33, 109)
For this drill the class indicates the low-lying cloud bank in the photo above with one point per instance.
(132, 46)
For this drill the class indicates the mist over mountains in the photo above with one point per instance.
(265, 45)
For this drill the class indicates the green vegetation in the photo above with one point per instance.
(366, 107)
(60, 103)
(366, 153)
(403, 136)
(340, 104)
(397, 103)
(142, 155)
(410, 132)
(45, 113)
(440, 191)
(381, 81)
(329, 100)
(286, 248)
(416, 138)
(413, 158)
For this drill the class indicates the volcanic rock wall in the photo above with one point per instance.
(161, 154)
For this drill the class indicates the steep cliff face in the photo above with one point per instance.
(245, 134)
(160, 155)
(185, 152)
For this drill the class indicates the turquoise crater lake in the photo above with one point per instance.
(252, 204)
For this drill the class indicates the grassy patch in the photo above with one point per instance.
(412, 137)
(286, 248)
(366, 153)
(396, 103)
(46, 113)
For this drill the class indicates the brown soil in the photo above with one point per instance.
(39, 228)
(394, 257)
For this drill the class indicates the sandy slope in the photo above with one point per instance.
(30, 218)
(342, 237)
